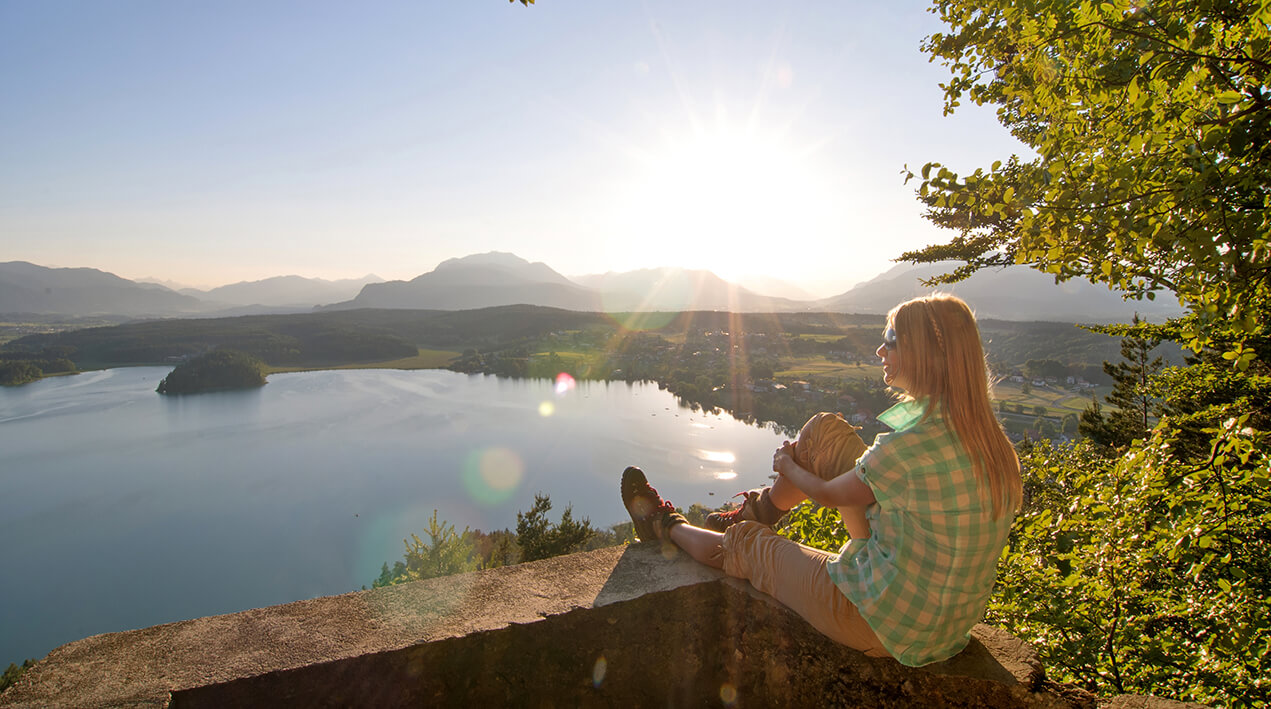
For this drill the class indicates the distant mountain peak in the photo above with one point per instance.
(489, 258)
(1008, 293)
(492, 267)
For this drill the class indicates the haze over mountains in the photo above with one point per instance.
(495, 278)
(285, 291)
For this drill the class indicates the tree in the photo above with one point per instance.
(539, 539)
(13, 672)
(19, 372)
(215, 371)
(446, 552)
(1151, 125)
(1070, 424)
(1045, 368)
(1123, 583)
(1134, 406)
(762, 368)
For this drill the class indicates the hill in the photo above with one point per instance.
(477, 281)
(286, 291)
(1015, 293)
(28, 288)
(498, 279)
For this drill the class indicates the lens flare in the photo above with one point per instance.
(726, 475)
(598, 672)
(546, 409)
(728, 694)
(564, 383)
(491, 476)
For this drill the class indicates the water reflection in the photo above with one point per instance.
(165, 508)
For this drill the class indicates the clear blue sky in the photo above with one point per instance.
(209, 143)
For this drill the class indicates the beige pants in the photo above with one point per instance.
(796, 576)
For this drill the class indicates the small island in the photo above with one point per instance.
(219, 370)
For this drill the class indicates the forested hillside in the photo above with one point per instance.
(365, 336)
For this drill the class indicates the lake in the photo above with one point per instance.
(121, 508)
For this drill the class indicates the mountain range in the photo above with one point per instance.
(496, 278)
(285, 291)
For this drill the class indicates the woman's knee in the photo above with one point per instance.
(739, 547)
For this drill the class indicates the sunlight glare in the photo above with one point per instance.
(717, 456)
(757, 191)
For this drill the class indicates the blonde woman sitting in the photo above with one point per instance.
(929, 505)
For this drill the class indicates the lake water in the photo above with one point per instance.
(121, 509)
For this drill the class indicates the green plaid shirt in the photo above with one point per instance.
(924, 576)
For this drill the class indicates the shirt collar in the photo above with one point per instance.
(904, 415)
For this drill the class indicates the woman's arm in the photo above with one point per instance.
(846, 490)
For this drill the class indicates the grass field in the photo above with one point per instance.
(822, 368)
(1056, 401)
(821, 338)
(426, 359)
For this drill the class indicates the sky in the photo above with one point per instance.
(211, 143)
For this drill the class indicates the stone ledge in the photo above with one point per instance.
(622, 625)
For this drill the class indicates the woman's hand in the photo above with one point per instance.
(782, 458)
(846, 490)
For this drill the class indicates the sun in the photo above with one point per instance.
(728, 200)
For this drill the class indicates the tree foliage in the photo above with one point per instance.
(217, 370)
(445, 553)
(1151, 125)
(1148, 128)
(812, 525)
(540, 539)
(13, 373)
(1135, 406)
(13, 672)
(1144, 573)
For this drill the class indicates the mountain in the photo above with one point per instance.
(287, 291)
(496, 278)
(28, 288)
(766, 285)
(477, 281)
(678, 289)
(1011, 293)
(170, 285)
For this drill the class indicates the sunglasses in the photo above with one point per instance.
(889, 338)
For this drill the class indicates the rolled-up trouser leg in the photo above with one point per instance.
(796, 576)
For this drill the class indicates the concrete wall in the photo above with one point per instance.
(628, 626)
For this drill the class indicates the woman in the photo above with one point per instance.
(939, 495)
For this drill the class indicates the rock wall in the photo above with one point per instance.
(626, 626)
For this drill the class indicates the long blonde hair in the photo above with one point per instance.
(943, 364)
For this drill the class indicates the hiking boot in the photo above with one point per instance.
(650, 514)
(756, 506)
